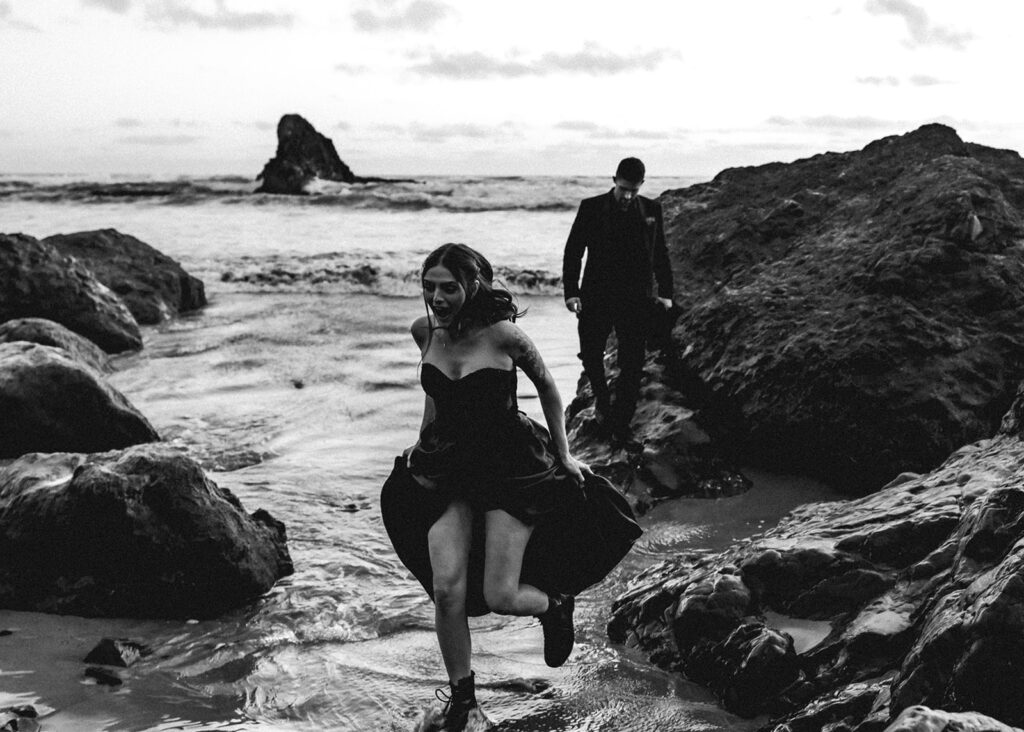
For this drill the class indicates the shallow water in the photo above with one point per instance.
(297, 397)
(346, 642)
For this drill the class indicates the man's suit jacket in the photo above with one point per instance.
(591, 232)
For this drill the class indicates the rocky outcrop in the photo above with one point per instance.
(50, 402)
(47, 333)
(36, 281)
(303, 154)
(856, 610)
(135, 533)
(151, 284)
(670, 454)
(853, 315)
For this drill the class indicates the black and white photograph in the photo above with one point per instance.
(450, 366)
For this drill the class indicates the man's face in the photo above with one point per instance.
(625, 191)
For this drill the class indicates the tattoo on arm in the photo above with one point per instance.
(527, 358)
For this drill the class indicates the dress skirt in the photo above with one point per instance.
(573, 546)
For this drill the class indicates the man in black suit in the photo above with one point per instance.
(627, 281)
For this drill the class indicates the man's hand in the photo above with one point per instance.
(665, 302)
(575, 305)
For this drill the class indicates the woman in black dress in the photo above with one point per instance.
(482, 467)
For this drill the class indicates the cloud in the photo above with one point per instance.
(835, 122)
(160, 140)
(114, 6)
(175, 13)
(576, 125)
(914, 80)
(445, 132)
(922, 31)
(878, 80)
(599, 132)
(592, 60)
(925, 80)
(7, 18)
(129, 122)
(419, 16)
(354, 69)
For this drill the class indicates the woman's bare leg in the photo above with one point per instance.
(449, 541)
(506, 541)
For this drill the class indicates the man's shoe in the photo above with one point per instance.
(458, 703)
(559, 634)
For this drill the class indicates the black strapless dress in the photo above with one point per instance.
(480, 448)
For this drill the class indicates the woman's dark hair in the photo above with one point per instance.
(490, 303)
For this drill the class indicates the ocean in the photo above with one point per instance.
(295, 388)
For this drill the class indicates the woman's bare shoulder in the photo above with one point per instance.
(420, 329)
(504, 331)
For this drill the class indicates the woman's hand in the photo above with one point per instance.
(574, 467)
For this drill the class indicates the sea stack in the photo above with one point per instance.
(302, 155)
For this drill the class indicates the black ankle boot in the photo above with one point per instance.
(559, 634)
(458, 703)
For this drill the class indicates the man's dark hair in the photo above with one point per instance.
(631, 169)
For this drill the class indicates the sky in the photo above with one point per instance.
(530, 87)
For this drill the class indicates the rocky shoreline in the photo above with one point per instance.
(857, 317)
(97, 517)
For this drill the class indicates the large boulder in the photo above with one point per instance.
(47, 333)
(854, 315)
(50, 402)
(135, 533)
(859, 609)
(37, 281)
(303, 154)
(152, 285)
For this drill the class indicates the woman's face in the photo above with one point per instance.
(443, 294)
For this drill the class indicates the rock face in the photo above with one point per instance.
(36, 281)
(854, 315)
(302, 155)
(152, 285)
(915, 593)
(48, 333)
(50, 402)
(136, 533)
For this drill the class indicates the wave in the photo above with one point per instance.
(441, 193)
(341, 273)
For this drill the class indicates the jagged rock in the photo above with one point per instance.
(50, 402)
(923, 719)
(19, 719)
(135, 533)
(152, 285)
(854, 315)
(117, 652)
(47, 333)
(36, 281)
(302, 155)
(851, 707)
(920, 584)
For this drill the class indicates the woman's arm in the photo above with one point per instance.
(525, 355)
(420, 330)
